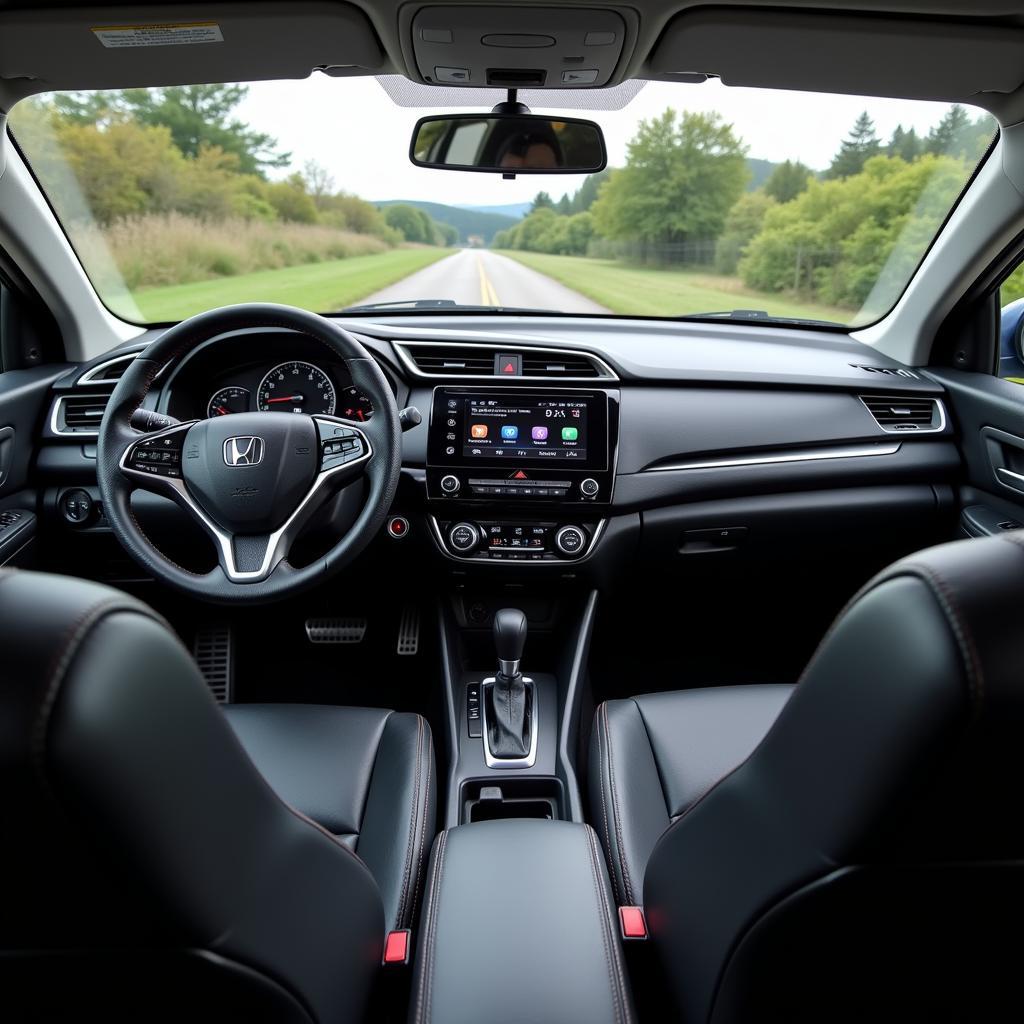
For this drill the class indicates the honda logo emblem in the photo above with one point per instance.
(243, 451)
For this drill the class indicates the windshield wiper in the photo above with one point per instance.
(756, 315)
(416, 304)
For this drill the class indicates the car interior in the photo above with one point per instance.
(539, 664)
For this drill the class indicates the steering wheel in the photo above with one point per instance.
(250, 480)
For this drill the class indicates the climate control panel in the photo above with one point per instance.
(516, 540)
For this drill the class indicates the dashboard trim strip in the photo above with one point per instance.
(808, 455)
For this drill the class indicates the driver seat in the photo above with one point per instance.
(150, 871)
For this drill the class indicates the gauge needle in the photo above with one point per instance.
(221, 411)
(290, 398)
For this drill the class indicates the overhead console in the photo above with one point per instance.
(518, 47)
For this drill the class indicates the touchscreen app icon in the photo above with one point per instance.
(509, 432)
(570, 433)
(539, 433)
(478, 430)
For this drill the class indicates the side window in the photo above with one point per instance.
(1011, 326)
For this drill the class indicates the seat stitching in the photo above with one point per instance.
(612, 965)
(604, 806)
(627, 883)
(428, 951)
(409, 845)
(423, 838)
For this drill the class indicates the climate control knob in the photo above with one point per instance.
(450, 484)
(570, 541)
(464, 537)
(589, 487)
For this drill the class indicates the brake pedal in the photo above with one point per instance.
(212, 651)
(335, 631)
(409, 631)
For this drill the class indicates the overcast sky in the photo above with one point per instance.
(352, 127)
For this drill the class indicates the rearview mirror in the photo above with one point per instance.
(508, 144)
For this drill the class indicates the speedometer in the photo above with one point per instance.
(297, 387)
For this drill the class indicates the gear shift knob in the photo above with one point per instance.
(509, 640)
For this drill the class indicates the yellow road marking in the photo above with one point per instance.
(488, 296)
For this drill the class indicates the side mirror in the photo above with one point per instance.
(508, 144)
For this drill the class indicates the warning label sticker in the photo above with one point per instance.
(175, 34)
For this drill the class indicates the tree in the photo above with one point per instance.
(944, 137)
(906, 144)
(743, 224)
(540, 201)
(857, 148)
(405, 219)
(202, 115)
(787, 181)
(448, 232)
(319, 183)
(683, 174)
(587, 192)
(291, 200)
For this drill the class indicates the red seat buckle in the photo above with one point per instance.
(397, 946)
(633, 923)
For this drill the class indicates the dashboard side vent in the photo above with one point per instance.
(455, 359)
(79, 414)
(903, 413)
(887, 371)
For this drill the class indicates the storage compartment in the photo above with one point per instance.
(503, 798)
(521, 927)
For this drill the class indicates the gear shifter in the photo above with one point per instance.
(509, 698)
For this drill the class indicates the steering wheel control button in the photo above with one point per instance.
(570, 541)
(159, 456)
(464, 537)
(589, 487)
(450, 484)
(398, 527)
(76, 506)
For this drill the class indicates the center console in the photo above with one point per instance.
(520, 474)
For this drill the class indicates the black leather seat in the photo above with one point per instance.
(653, 757)
(149, 870)
(864, 861)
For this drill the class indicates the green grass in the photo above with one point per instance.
(324, 287)
(623, 288)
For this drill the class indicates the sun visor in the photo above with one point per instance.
(124, 47)
(861, 55)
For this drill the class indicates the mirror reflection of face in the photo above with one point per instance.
(538, 155)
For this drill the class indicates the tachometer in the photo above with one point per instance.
(355, 405)
(296, 387)
(228, 400)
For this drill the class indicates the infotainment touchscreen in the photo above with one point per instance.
(517, 427)
(530, 426)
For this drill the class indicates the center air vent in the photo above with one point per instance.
(901, 413)
(79, 414)
(472, 360)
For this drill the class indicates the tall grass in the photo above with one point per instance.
(173, 248)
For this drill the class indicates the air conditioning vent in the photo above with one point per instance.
(79, 414)
(447, 361)
(109, 372)
(886, 371)
(558, 366)
(901, 413)
(476, 360)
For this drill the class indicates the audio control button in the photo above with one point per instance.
(464, 537)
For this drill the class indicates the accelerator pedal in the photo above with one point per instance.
(409, 631)
(335, 631)
(212, 649)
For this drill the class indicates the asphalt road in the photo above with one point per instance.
(476, 277)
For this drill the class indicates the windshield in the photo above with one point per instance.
(755, 203)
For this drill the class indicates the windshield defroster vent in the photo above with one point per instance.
(454, 359)
(897, 414)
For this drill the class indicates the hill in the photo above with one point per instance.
(760, 170)
(514, 210)
(466, 221)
